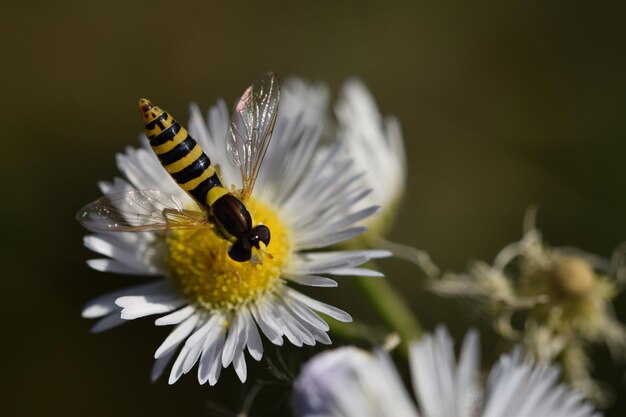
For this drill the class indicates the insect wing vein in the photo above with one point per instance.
(251, 128)
(137, 211)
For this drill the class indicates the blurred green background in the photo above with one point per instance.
(503, 105)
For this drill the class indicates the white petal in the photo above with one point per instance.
(268, 330)
(105, 304)
(319, 335)
(349, 382)
(311, 280)
(331, 210)
(115, 267)
(211, 352)
(239, 362)
(519, 389)
(108, 322)
(160, 364)
(294, 167)
(295, 331)
(100, 307)
(432, 364)
(144, 171)
(148, 309)
(135, 300)
(235, 332)
(118, 185)
(372, 141)
(303, 316)
(467, 374)
(339, 222)
(177, 335)
(306, 314)
(281, 324)
(356, 217)
(324, 159)
(327, 239)
(320, 262)
(357, 272)
(192, 357)
(175, 317)
(255, 345)
(119, 250)
(177, 369)
(216, 364)
(197, 128)
(324, 193)
(378, 254)
(329, 310)
(201, 333)
(504, 385)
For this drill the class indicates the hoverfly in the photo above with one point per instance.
(223, 211)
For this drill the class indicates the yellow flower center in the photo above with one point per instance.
(200, 265)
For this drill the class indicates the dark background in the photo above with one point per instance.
(503, 104)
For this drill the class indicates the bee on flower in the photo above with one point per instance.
(226, 222)
(563, 295)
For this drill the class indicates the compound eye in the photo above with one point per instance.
(241, 251)
(262, 233)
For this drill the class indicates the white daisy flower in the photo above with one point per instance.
(309, 101)
(376, 145)
(217, 306)
(349, 382)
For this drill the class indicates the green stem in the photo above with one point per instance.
(391, 307)
(355, 332)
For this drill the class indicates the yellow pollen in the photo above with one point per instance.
(199, 264)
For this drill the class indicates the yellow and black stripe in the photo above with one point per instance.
(179, 153)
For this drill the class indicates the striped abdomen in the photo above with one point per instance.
(179, 153)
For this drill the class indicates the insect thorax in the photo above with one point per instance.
(232, 217)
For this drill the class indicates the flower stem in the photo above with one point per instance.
(356, 332)
(391, 307)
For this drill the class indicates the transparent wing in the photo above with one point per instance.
(139, 211)
(251, 128)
